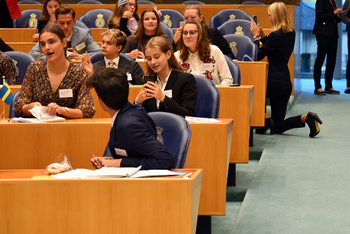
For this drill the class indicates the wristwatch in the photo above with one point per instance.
(67, 112)
(255, 36)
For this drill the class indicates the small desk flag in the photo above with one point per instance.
(5, 93)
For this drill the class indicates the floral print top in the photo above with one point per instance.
(37, 88)
(8, 69)
(214, 68)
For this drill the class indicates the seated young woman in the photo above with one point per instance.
(125, 17)
(55, 82)
(197, 56)
(149, 26)
(174, 91)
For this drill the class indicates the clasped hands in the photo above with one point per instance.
(150, 90)
(105, 162)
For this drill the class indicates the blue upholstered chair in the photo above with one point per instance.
(242, 47)
(167, 30)
(29, 19)
(193, 2)
(236, 27)
(12, 113)
(21, 60)
(89, 2)
(28, 2)
(208, 98)
(228, 14)
(175, 134)
(96, 18)
(252, 2)
(173, 131)
(146, 2)
(234, 69)
(171, 17)
(80, 24)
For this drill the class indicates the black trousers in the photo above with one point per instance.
(348, 66)
(279, 94)
(325, 46)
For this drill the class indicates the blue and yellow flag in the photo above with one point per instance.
(5, 93)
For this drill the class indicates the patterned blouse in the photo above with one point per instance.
(8, 69)
(37, 88)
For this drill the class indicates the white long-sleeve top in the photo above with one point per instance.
(214, 68)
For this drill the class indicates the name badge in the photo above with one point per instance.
(80, 48)
(207, 66)
(129, 76)
(168, 93)
(120, 152)
(66, 93)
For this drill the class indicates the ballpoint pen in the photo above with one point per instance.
(98, 163)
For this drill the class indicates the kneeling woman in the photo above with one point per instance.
(174, 91)
(55, 82)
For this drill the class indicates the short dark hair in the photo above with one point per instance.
(111, 86)
(63, 10)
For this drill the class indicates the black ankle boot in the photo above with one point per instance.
(312, 121)
(268, 125)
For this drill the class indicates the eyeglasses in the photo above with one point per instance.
(131, 4)
(191, 32)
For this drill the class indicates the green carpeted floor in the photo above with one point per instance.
(300, 184)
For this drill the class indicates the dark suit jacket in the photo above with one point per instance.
(278, 47)
(184, 96)
(216, 38)
(128, 66)
(135, 132)
(326, 21)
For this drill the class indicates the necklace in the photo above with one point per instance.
(58, 73)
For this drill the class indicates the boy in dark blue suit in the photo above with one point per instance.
(133, 137)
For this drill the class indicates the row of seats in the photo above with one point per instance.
(188, 2)
(97, 18)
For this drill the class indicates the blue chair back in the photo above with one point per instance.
(228, 14)
(29, 19)
(193, 2)
(234, 69)
(89, 2)
(28, 2)
(252, 2)
(241, 27)
(80, 24)
(146, 2)
(175, 134)
(21, 60)
(171, 17)
(242, 47)
(96, 18)
(208, 98)
(167, 30)
(12, 113)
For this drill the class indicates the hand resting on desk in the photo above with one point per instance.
(106, 162)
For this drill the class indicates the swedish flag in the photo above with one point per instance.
(5, 93)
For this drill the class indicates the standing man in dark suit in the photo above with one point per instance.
(133, 137)
(113, 41)
(346, 20)
(327, 17)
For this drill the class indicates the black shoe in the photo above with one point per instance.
(347, 91)
(268, 125)
(312, 121)
(319, 92)
(329, 91)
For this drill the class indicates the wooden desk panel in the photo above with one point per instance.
(78, 139)
(255, 73)
(17, 34)
(89, 206)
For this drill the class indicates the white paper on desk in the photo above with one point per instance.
(40, 112)
(27, 120)
(201, 120)
(114, 172)
(148, 173)
(73, 174)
